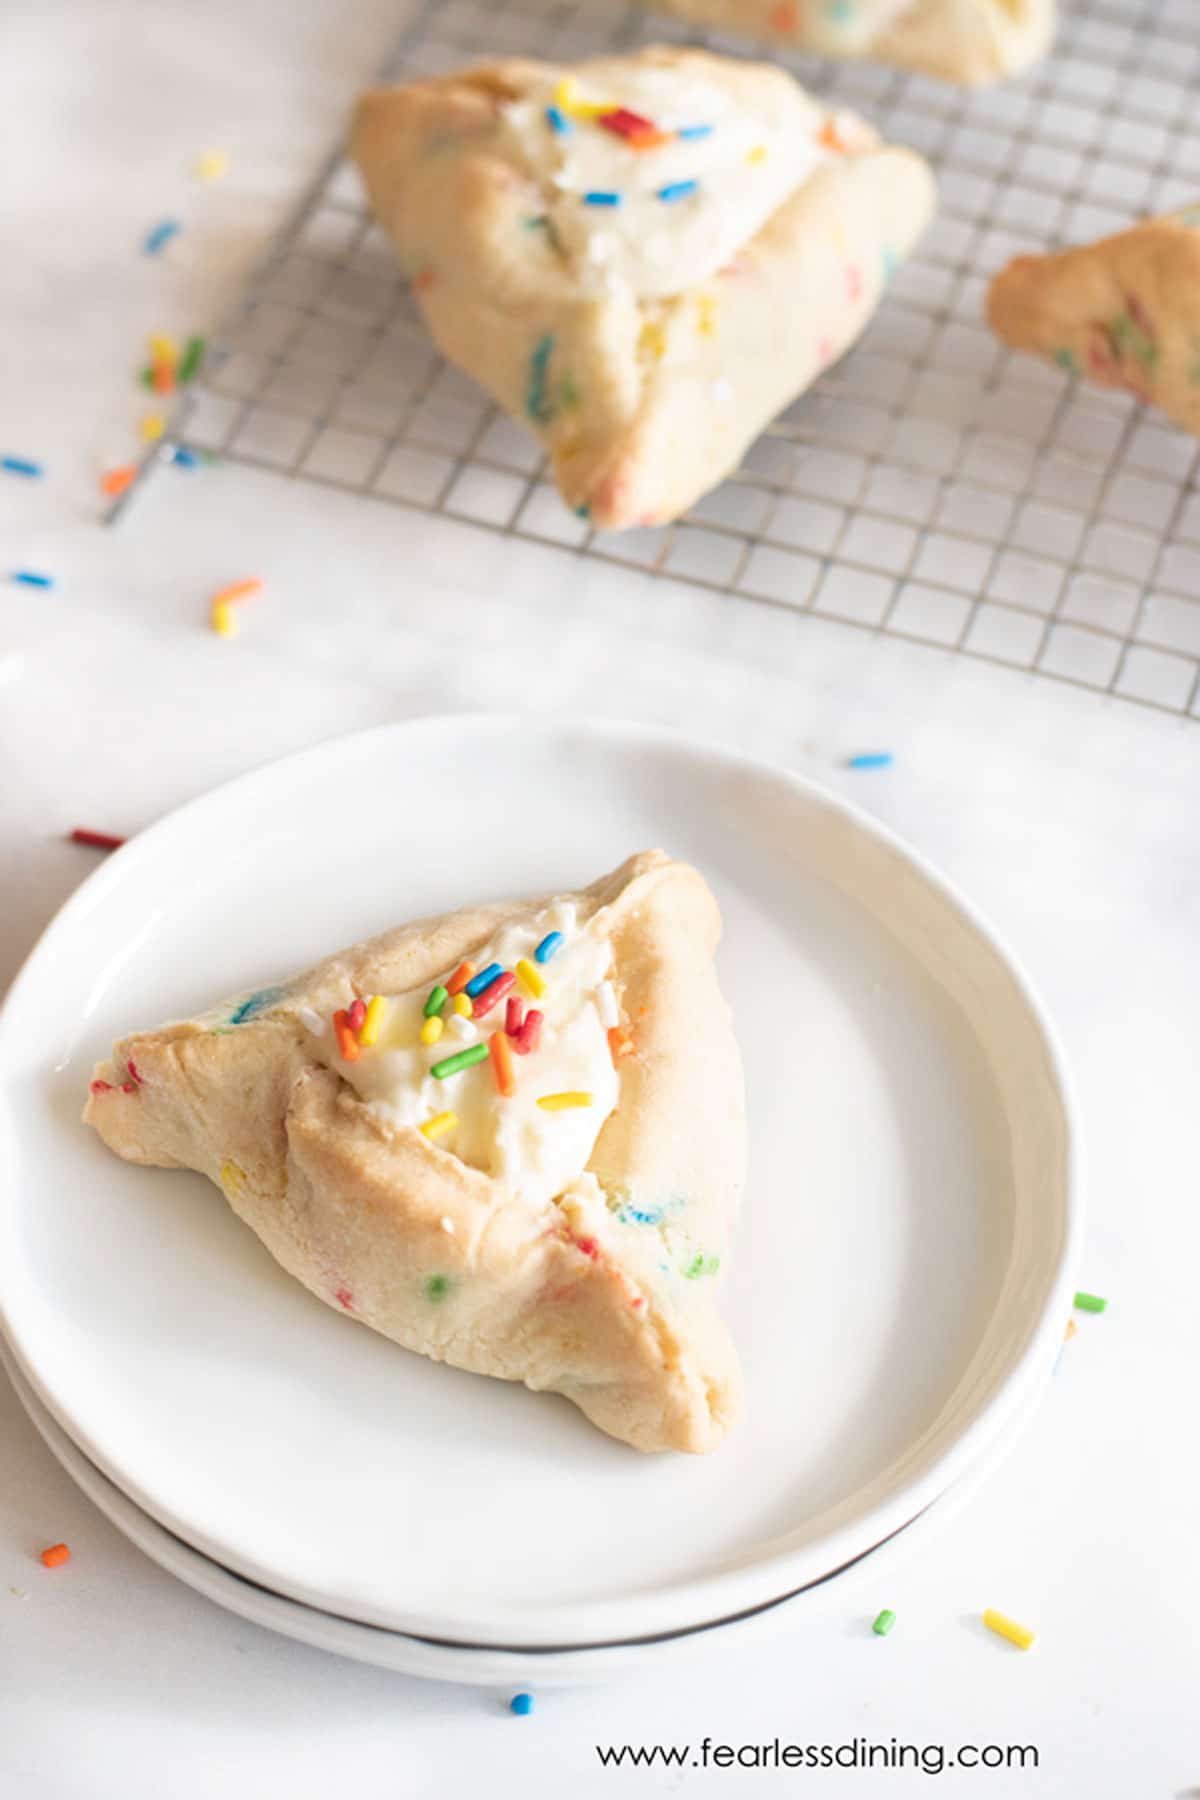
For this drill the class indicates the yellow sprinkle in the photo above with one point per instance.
(439, 1124)
(152, 427)
(231, 1175)
(432, 1030)
(376, 1007)
(560, 1102)
(532, 977)
(758, 154)
(163, 349)
(224, 619)
(566, 98)
(212, 165)
(463, 1005)
(653, 339)
(1008, 1628)
(706, 308)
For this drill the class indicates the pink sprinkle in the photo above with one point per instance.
(133, 1074)
(344, 1297)
(356, 1015)
(100, 1087)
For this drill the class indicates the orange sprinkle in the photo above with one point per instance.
(619, 1044)
(347, 1043)
(55, 1555)
(117, 480)
(650, 139)
(237, 590)
(422, 280)
(502, 1067)
(460, 978)
(162, 378)
(1071, 1331)
(784, 17)
(828, 135)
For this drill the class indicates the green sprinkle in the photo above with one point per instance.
(568, 392)
(464, 1060)
(537, 405)
(701, 1265)
(536, 221)
(884, 1622)
(1090, 1303)
(193, 356)
(437, 1288)
(436, 1001)
(1066, 360)
(147, 378)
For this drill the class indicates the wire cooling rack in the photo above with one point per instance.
(931, 486)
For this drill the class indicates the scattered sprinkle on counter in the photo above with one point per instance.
(1007, 1628)
(870, 759)
(211, 165)
(193, 356)
(117, 480)
(31, 578)
(152, 427)
(883, 1622)
(522, 1705)
(1090, 1303)
(183, 458)
(55, 1555)
(221, 607)
(96, 840)
(22, 465)
(160, 235)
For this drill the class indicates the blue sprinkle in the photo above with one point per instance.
(641, 1215)
(870, 759)
(842, 10)
(478, 982)
(160, 237)
(581, 512)
(29, 578)
(598, 197)
(20, 465)
(557, 121)
(183, 458)
(522, 1705)
(677, 190)
(694, 131)
(549, 946)
(257, 1003)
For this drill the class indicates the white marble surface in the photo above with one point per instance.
(1068, 818)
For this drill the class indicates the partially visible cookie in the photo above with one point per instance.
(645, 258)
(968, 41)
(1125, 311)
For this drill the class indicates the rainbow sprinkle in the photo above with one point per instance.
(432, 1030)
(563, 1102)
(531, 978)
(601, 197)
(21, 465)
(463, 1059)
(678, 190)
(1008, 1628)
(558, 121)
(477, 983)
(550, 945)
(160, 236)
(31, 578)
(193, 356)
(369, 1032)
(437, 999)
(439, 1125)
(691, 132)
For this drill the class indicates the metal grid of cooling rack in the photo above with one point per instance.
(931, 486)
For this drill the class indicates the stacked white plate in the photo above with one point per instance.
(899, 1282)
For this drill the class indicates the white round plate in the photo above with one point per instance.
(898, 1283)
(481, 1665)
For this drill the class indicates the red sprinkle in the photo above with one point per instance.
(133, 1074)
(529, 1036)
(589, 1246)
(129, 1087)
(56, 1555)
(493, 993)
(513, 1013)
(96, 840)
(356, 1016)
(100, 1087)
(625, 123)
(344, 1297)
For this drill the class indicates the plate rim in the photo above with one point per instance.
(1020, 1388)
